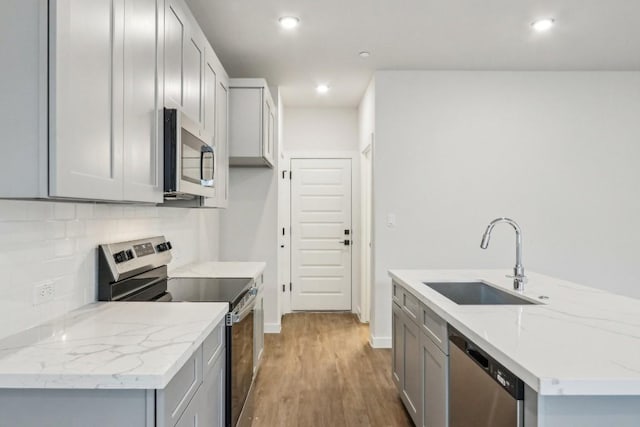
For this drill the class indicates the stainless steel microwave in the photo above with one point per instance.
(189, 158)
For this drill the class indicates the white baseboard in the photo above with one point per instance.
(272, 328)
(380, 342)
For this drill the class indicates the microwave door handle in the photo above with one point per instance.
(203, 150)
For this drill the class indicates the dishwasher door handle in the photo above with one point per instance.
(478, 357)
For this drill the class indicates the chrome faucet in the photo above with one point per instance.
(519, 279)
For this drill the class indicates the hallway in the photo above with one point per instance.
(320, 371)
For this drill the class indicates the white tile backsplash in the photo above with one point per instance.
(55, 242)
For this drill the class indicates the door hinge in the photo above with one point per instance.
(284, 174)
(228, 319)
(284, 289)
(290, 175)
(283, 231)
(290, 287)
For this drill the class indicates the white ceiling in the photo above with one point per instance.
(412, 34)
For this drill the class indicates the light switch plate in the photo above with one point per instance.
(391, 220)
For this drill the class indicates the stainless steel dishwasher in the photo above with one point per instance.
(482, 392)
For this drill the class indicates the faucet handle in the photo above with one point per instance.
(518, 281)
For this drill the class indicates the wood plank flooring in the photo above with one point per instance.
(320, 371)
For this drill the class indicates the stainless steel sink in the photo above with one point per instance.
(476, 293)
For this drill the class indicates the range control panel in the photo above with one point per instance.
(123, 256)
(140, 250)
(123, 260)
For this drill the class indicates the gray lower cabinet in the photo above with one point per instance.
(194, 397)
(411, 378)
(397, 347)
(435, 384)
(420, 364)
(207, 406)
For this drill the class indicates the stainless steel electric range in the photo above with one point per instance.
(137, 271)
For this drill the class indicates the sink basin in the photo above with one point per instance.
(476, 293)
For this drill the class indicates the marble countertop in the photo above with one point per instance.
(121, 345)
(217, 269)
(580, 341)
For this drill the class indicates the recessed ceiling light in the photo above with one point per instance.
(364, 54)
(542, 25)
(322, 89)
(289, 22)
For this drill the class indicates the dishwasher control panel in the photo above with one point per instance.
(505, 378)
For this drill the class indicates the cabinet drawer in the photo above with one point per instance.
(411, 306)
(397, 294)
(173, 400)
(213, 346)
(435, 328)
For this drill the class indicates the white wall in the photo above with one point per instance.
(248, 229)
(249, 226)
(56, 242)
(320, 129)
(322, 133)
(558, 152)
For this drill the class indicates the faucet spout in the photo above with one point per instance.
(519, 279)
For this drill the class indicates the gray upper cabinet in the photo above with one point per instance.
(252, 123)
(222, 143)
(196, 83)
(215, 102)
(93, 106)
(86, 99)
(193, 74)
(142, 101)
(175, 27)
(209, 95)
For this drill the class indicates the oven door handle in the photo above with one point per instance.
(247, 308)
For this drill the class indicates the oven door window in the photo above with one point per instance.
(198, 160)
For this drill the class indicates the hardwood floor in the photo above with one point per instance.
(321, 371)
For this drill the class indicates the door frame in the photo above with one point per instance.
(284, 222)
(366, 221)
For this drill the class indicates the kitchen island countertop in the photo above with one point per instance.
(578, 341)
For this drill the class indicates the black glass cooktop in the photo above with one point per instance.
(207, 289)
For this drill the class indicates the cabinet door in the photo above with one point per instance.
(175, 28)
(222, 144)
(209, 94)
(193, 75)
(192, 415)
(412, 368)
(268, 130)
(246, 122)
(212, 395)
(86, 89)
(142, 102)
(435, 380)
(397, 346)
(272, 133)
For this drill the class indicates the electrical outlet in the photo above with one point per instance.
(43, 292)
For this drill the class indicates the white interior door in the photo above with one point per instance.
(321, 234)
